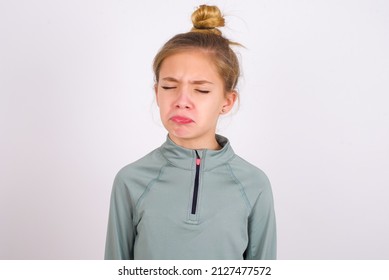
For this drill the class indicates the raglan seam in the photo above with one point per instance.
(249, 250)
(147, 189)
(241, 187)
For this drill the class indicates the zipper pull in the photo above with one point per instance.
(198, 159)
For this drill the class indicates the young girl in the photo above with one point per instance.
(193, 197)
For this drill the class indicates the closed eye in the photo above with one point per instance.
(165, 87)
(202, 91)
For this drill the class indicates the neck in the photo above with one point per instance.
(196, 144)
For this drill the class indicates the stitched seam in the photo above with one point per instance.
(241, 188)
(143, 195)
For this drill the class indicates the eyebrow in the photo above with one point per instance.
(197, 82)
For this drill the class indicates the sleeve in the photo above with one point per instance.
(262, 228)
(120, 233)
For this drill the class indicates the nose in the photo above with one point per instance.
(183, 100)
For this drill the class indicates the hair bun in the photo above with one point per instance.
(207, 18)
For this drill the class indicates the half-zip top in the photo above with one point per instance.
(173, 203)
(196, 184)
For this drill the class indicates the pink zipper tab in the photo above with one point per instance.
(198, 161)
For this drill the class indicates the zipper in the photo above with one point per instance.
(196, 184)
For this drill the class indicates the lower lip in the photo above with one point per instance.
(180, 120)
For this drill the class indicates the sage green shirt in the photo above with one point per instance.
(160, 210)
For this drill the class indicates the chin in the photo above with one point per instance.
(183, 134)
(180, 131)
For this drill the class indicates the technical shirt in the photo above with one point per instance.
(178, 203)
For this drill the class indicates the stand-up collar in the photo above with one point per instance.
(186, 158)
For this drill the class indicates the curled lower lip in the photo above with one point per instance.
(181, 120)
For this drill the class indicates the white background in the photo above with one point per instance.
(76, 105)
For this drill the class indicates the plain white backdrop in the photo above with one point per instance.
(76, 105)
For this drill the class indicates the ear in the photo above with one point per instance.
(156, 93)
(229, 101)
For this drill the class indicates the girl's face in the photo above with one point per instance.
(191, 96)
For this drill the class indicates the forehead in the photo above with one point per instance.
(190, 63)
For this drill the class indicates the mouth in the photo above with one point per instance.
(181, 120)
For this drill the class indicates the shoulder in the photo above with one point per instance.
(244, 169)
(139, 173)
(148, 163)
(253, 180)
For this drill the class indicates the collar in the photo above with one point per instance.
(186, 158)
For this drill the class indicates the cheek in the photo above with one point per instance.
(164, 106)
(210, 113)
(216, 105)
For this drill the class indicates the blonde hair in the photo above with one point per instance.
(205, 36)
